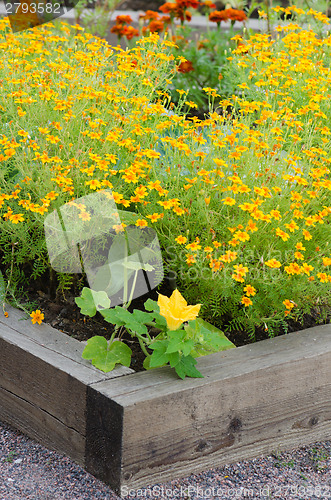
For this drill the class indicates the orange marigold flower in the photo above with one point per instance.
(185, 67)
(250, 290)
(123, 19)
(273, 263)
(289, 304)
(141, 223)
(156, 26)
(37, 317)
(246, 301)
(181, 240)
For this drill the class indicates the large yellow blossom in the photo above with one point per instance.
(175, 310)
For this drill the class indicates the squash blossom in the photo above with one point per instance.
(175, 310)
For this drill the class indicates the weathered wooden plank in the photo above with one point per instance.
(312, 341)
(53, 340)
(255, 399)
(41, 426)
(42, 372)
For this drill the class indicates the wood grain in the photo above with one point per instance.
(256, 399)
(43, 382)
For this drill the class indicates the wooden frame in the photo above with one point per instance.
(136, 429)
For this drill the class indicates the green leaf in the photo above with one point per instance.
(142, 317)
(95, 345)
(159, 356)
(104, 356)
(111, 316)
(90, 301)
(151, 305)
(186, 367)
(177, 342)
(130, 322)
(213, 339)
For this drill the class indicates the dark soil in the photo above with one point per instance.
(63, 314)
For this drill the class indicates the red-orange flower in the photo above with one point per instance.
(156, 26)
(185, 67)
(169, 8)
(218, 16)
(236, 15)
(123, 20)
(149, 15)
(188, 3)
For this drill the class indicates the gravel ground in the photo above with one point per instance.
(30, 471)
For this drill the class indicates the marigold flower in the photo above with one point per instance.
(250, 290)
(246, 301)
(273, 263)
(185, 67)
(37, 317)
(288, 304)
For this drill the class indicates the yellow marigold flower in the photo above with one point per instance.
(84, 216)
(208, 249)
(16, 218)
(5, 314)
(306, 268)
(275, 214)
(176, 311)
(94, 184)
(250, 290)
(181, 240)
(141, 223)
(37, 317)
(299, 246)
(229, 201)
(306, 235)
(292, 226)
(246, 301)
(293, 268)
(241, 236)
(190, 259)
(323, 277)
(326, 261)
(288, 304)
(282, 234)
(273, 263)
(229, 256)
(299, 255)
(193, 246)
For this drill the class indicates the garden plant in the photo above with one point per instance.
(240, 200)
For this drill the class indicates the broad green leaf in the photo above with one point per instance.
(151, 305)
(160, 321)
(104, 356)
(143, 317)
(146, 363)
(95, 345)
(130, 322)
(159, 356)
(214, 339)
(173, 359)
(186, 367)
(111, 316)
(179, 343)
(90, 301)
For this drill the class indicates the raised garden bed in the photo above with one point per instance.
(134, 429)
